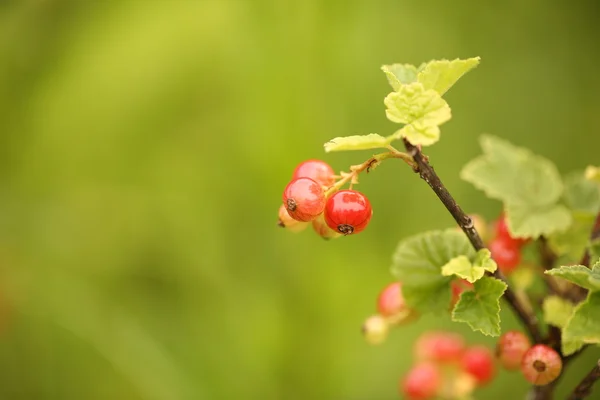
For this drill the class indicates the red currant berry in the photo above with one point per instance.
(422, 382)
(375, 329)
(348, 212)
(479, 362)
(510, 349)
(541, 365)
(289, 223)
(439, 347)
(304, 199)
(506, 254)
(390, 300)
(317, 170)
(322, 229)
(503, 232)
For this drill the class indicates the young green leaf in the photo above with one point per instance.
(529, 185)
(480, 308)
(418, 262)
(441, 75)
(584, 325)
(356, 142)
(580, 275)
(400, 74)
(422, 111)
(462, 267)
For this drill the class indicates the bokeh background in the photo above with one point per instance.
(144, 146)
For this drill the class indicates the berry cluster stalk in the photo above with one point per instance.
(426, 172)
(529, 320)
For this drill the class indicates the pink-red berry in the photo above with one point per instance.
(506, 254)
(317, 170)
(323, 230)
(304, 199)
(479, 362)
(503, 233)
(541, 365)
(348, 212)
(422, 382)
(375, 329)
(289, 223)
(510, 349)
(390, 300)
(441, 347)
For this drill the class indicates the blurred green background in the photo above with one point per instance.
(144, 146)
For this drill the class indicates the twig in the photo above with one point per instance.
(594, 235)
(427, 173)
(585, 386)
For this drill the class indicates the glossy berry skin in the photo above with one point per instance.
(304, 199)
(506, 254)
(541, 365)
(375, 329)
(289, 223)
(422, 382)
(510, 349)
(442, 347)
(317, 170)
(322, 229)
(479, 362)
(503, 233)
(348, 212)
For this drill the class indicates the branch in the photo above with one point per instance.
(594, 235)
(427, 173)
(585, 386)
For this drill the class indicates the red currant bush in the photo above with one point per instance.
(348, 212)
(479, 362)
(422, 382)
(375, 329)
(317, 170)
(510, 349)
(304, 199)
(506, 254)
(440, 347)
(289, 223)
(541, 365)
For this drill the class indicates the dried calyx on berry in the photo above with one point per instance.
(541, 365)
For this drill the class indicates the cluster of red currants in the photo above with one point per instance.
(313, 196)
(445, 367)
(505, 249)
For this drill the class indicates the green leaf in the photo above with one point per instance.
(462, 267)
(400, 74)
(557, 311)
(480, 308)
(422, 111)
(529, 185)
(441, 75)
(579, 275)
(584, 325)
(357, 142)
(525, 220)
(581, 194)
(573, 242)
(418, 262)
